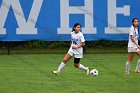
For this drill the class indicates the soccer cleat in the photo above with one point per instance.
(137, 71)
(87, 71)
(126, 73)
(55, 72)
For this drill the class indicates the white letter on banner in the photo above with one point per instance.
(112, 13)
(24, 27)
(3, 15)
(65, 10)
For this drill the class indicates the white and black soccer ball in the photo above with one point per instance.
(94, 72)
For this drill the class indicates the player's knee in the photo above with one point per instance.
(76, 65)
(64, 60)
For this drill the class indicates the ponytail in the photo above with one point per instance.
(73, 29)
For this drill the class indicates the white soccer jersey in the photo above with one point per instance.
(133, 32)
(76, 40)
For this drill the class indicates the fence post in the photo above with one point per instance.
(9, 45)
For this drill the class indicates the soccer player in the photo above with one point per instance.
(76, 50)
(133, 46)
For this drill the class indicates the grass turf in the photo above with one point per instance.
(31, 73)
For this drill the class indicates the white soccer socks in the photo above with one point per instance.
(127, 68)
(84, 68)
(138, 67)
(61, 66)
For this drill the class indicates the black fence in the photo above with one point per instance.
(37, 46)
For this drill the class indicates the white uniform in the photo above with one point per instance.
(76, 39)
(131, 46)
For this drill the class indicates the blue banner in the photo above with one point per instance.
(52, 20)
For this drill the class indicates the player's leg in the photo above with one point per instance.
(138, 64)
(130, 58)
(62, 65)
(65, 60)
(80, 66)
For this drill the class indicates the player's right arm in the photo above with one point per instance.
(134, 41)
(81, 45)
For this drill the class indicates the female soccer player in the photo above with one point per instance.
(133, 46)
(76, 50)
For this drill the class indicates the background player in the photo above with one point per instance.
(133, 46)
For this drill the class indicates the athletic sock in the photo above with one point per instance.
(83, 67)
(61, 66)
(138, 65)
(127, 67)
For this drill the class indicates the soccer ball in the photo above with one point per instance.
(94, 72)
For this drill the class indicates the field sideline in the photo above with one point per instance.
(31, 73)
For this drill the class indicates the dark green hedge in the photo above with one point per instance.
(62, 45)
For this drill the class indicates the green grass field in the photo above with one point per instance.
(31, 73)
